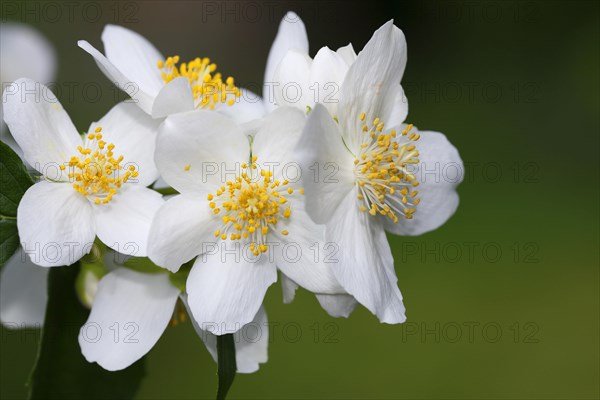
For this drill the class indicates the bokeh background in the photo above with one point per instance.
(503, 300)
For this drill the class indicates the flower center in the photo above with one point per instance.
(251, 205)
(382, 170)
(208, 87)
(96, 172)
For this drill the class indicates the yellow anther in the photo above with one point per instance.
(382, 171)
(99, 174)
(251, 205)
(208, 88)
(187, 167)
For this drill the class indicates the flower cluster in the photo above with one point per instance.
(217, 193)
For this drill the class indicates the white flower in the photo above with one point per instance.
(24, 52)
(291, 35)
(93, 185)
(162, 86)
(383, 181)
(131, 310)
(301, 81)
(237, 210)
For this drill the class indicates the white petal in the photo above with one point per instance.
(288, 288)
(372, 83)
(439, 173)
(25, 53)
(23, 293)
(124, 223)
(251, 342)
(196, 149)
(39, 124)
(327, 73)
(347, 53)
(337, 305)
(134, 56)
(225, 290)
(133, 133)
(302, 255)
(249, 106)
(365, 265)
(292, 81)
(399, 109)
(327, 166)
(175, 97)
(291, 35)
(143, 99)
(277, 137)
(130, 312)
(55, 223)
(179, 229)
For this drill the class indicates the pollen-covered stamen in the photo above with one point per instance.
(251, 205)
(208, 87)
(96, 172)
(385, 182)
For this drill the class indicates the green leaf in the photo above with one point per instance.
(61, 372)
(9, 239)
(226, 364)
(14, 181)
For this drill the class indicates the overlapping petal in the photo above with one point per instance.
(129, 314)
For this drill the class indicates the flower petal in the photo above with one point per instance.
(365, 265)
(226, 289)
(173, 98)
(291, 35)
(347, 53)
(133, 133)
(39, 124)
(134, 56)
(143, 99)
(303, 255)
(251, 342)
(195, 148)
(277, 137)
(124, 223)
(249, 106)
(327, 166)
(55, 223)
(439, 173)
(371, 84)
(327, 73)
(288, 288)
(179, 229)
(25, 53)
(23, 293)
(399, 109)
(291, 81)
(337, 305)
(129, 314)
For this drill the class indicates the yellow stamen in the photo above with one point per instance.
(383, 173)
(208, 88)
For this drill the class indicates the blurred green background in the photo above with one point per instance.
(503, 300)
